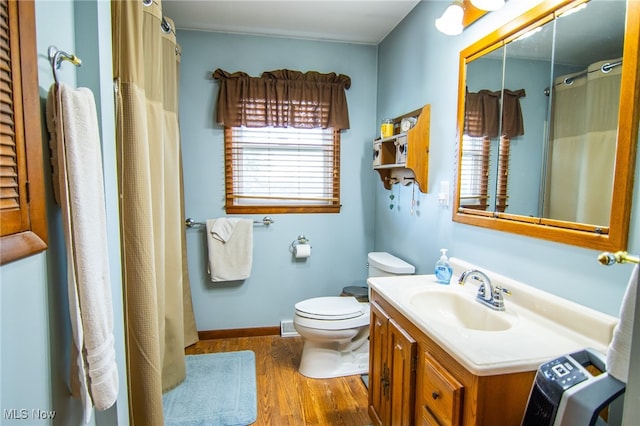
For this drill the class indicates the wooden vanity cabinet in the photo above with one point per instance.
(412, 378)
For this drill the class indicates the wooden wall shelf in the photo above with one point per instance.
(405, 156)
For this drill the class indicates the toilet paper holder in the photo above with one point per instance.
(300, 240)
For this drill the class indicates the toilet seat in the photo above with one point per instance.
(327, 324)
(330, 308)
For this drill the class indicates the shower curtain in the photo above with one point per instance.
(583, 145)
(158, 309)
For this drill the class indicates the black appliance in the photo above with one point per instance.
(565, 393)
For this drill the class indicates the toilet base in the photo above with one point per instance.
(322, 361)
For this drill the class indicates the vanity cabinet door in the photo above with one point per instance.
(392, 362)
(378, 372)
(441, 394)
(402, 363)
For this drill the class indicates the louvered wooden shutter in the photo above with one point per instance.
(12, 185)
(22, 209)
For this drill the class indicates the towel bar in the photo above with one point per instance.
(266, 221)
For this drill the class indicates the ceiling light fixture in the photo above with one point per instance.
(487, 4)
(450, 23)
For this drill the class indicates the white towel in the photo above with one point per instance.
(73, 124)
(619, 352)
(223, 228)
(230, 260)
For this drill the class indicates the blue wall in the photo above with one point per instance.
(340, 242)
(418, 65)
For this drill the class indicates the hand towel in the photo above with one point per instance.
(231, 260)
(619, 352)
(223, 228)
(74, 123)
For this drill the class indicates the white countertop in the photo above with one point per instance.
(544, 326)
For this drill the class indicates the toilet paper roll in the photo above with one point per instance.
(302, 251)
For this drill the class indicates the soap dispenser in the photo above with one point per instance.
(443, 269)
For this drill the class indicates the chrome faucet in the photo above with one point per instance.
(487, 294)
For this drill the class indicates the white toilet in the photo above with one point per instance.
(336, 329)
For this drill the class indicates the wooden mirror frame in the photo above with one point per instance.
(615, 236)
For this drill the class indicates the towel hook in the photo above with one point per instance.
(56, 57)
(607, 258)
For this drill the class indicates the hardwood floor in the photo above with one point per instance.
(286, 397)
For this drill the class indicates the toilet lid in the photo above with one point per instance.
(330, 308)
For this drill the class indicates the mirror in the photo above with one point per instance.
(528, 67)
(546, 143)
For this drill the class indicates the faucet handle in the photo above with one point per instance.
(499, 290)
(498, 299)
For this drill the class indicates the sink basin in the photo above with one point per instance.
(461, 310)
(535, 327)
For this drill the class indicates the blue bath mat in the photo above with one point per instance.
(220, 390)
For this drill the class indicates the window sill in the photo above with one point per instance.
(281, 209)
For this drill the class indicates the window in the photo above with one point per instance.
(23, 222)
(484, 120)
(475, 172)
(282, 140)
(282, 170)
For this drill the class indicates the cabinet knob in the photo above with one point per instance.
(435, 395)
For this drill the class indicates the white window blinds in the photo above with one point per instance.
(474, 172)
(282, 170)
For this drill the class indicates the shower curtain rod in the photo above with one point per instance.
(56, 57)
(266, 221)
(605, 68)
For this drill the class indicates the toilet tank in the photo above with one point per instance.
(383, 264)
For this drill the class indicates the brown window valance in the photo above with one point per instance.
(482, 110)
(283, 98)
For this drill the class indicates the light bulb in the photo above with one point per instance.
(450, 23)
